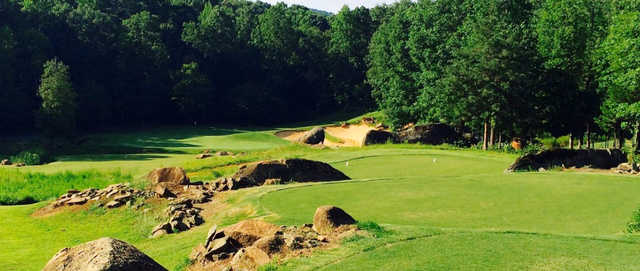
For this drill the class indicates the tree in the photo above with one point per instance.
(351, 31)
(569, 32)
(622, 76)
(193, 93)
(391, 69)
(57, 114)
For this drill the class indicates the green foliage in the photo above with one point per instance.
(18, 187)
(30, 158)
(57, 114)
(634, 225)
(373, 228)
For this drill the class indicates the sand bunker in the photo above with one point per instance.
(348, 135)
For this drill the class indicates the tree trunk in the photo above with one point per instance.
(619, 140)
(571, 141)
(636, 146)
(484, 137)
(589, 136)
(499, 140)
(491, 137)
(580, 142)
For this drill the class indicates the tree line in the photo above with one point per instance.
(495, 68)
(148, 62)
(512, 68)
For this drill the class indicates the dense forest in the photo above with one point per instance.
(497, 68)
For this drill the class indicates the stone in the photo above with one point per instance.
(173, 175)
(221, 245)
(249, 258)
(77, 201)
(164, 228)
(272, 181)
(431, 134)
(378, 137)
(313, 137)
(213, 233)
(102, 254)
(223, 153)
(601, 159)
(20, 164)
(5, 162)
(203, 156)
(249, 231)
(297, 170)
(270, 244)
(163, 191)
(327, 218)
(114, 204)
(542, 169)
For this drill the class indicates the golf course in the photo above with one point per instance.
(441, 208)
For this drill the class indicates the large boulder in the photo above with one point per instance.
(297, 170)
(378, 137)
(601, 159)
(328, 218)
(313, 137)
(172, 175)
(102, 254)
(432, 134)
(248, 232)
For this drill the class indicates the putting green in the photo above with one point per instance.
(498, 221)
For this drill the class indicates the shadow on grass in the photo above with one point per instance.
(109, 157)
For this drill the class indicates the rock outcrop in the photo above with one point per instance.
(379, 137)
(113, 196)
(173, 175)
(182, 217)
(277, 171)
(313, 137)
(5, 162)
(329, 218)
(252, 243)
(432, 134)
(601, 159)
(102, 254)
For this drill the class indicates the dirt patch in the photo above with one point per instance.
(290, 135)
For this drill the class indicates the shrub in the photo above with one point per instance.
(29, 158)
(634, 225)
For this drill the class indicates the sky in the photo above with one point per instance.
(332, 5)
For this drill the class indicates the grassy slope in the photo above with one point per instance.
(455, 214)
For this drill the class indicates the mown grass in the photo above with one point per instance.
(18, 187)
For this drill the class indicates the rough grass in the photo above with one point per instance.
(18, 187)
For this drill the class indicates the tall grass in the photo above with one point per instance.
(18, 187)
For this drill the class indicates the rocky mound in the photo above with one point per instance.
(252, 243)
(173, 182)
(291, 170)
(102, 254)
(432, 134)
(379, 137)
(329, 218)
(313, 137)
(601, 159)
(182, 217)
(113, 196)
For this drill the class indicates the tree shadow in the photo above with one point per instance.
(109, 157)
